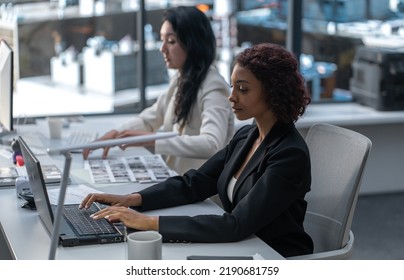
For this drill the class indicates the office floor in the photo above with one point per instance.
(378, 226)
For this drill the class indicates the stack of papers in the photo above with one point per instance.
(142, 169)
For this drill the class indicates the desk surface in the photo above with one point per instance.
(28, 238)
(348, 114)
(343, 114)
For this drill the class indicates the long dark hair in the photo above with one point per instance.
(194, 31)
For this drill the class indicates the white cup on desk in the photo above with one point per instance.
(144, 245)
(55, 127)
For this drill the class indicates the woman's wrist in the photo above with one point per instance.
(153, 223)
(135, 199)
(114, 133)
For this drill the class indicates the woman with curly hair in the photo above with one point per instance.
(261, 176)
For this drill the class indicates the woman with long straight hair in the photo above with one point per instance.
(195, 104)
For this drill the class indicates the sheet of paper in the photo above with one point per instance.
(74, 194)
(142, 169)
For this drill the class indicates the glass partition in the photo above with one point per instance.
(85, 51)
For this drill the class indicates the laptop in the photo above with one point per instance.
(74, 224)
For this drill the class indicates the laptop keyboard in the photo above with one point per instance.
(85, 225)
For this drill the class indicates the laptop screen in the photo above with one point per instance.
(37, 183)
(73, 231)
(6, 88)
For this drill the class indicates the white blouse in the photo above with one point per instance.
(230, 188)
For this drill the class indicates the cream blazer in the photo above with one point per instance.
(210, 128)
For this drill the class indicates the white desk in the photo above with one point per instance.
(56, 99)
(28, 239)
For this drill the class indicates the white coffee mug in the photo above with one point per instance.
(144, 245)
(55, 127)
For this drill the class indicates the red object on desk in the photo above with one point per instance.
(19, 160)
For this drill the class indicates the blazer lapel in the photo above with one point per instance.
(236, 160)
(275, 135)
(255, 160)
(240, 152)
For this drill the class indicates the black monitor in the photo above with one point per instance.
(6, 88)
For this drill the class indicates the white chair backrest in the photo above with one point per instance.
(338, 157)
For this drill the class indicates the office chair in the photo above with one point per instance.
(338, 158)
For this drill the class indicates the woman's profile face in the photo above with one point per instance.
(247, 96)
(173, 52)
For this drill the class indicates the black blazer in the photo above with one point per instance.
(268, 198)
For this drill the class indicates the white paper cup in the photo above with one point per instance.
(144, 245)
(55, 127)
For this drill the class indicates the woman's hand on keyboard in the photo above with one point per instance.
(126, 200)
(129, 217)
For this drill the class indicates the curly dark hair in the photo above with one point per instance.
(284, 86)
(196, 36)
